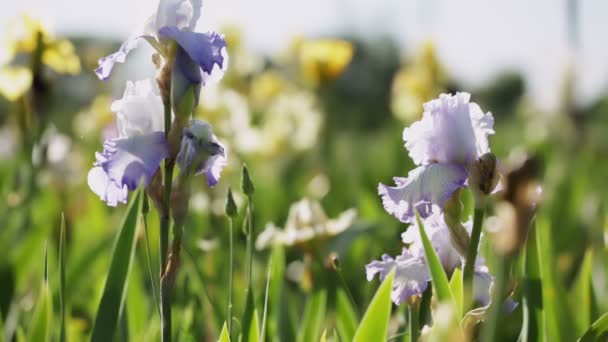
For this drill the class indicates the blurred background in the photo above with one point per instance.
(315, 102)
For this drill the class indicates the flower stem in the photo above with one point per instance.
(469, 266)
(249, 239)
(413, 312)
(231, 251)
(491, 328)
(165, 215)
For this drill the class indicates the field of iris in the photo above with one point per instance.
(233, 196)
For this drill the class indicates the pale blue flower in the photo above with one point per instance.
(136, 154)
(201, 152)
(452, 134)
(411, 274)
(174, 20)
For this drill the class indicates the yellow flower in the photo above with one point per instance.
(14, 82)
(422, 79)
(24, 37)
(61, 57)
(323, 59)
(265, 87)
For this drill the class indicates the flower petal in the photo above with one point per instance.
(425, 185)
(411, 274)
(439, 235)
(180, 13)
(106, 189)
(208, 50)
(140, 110)
(452, 130)
(128, 161)
(107, 63)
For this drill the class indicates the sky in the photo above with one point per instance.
(475, 39)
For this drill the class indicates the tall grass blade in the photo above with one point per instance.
(374, 325)
(115, 289)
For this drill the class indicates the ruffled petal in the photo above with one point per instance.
(411, 274)
(201, 152)
(425, 185)
(452, 130)
(183, 14)
(129, 161)
(214, 166)
(107, 63)
(106, 189)
(439, 235)
(208, 50)
(140, 110)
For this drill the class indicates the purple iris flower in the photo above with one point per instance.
(452, 134)
(201, 152)
(174, 20)
(135, 155)
(411, 271)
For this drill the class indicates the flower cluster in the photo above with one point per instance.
(191, 59)
(450, 146)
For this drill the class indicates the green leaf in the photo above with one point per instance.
(248, 316)
(456, 288)
(39, 325)
(224, 337)
(440, 279)
(314, 315)
(346, 320)
(114, 292)
(62, 336)
(558, 323)
(598, 331)
(532, 300)
(374, 325)
(254, 328)
(582, 295)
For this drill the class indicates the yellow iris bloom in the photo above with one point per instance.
(324, 59)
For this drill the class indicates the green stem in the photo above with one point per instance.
(249, 240)
(149, 260)
(347, 289)
(469, 266)
(231, 239)
(165, 215)
(413, 312)
(491, 328)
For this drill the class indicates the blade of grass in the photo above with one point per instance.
(248, 315)
(374, 325)
(558, 323)
(153, 280)
(265, 312)
(62, 336)
(598, 331)
(440, 279)
(39, 325)
(314, 315)
(114, 293)
(532, 300)
(224, 336)
(456, 287)
(581, 299)
(346, 320)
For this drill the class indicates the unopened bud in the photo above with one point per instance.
(452, 210)
(483, 176)
(246, 183)
(333, 261)
(231, 209)
(186, 80)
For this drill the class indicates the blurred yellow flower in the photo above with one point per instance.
(415, 83)
(61, 57)
(14, 82)
(265, 87)
(323, 59)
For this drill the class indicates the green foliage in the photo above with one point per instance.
(374, 325)
(440, 279)
(314, 317)
(40, 324)
(597, 331)
(115, 289)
